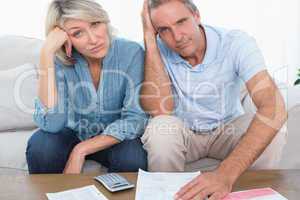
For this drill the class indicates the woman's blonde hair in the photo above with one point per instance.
(61, 10)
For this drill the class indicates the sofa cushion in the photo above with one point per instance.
(13, 147)
(15, 107)
(17, 92)
(12, 171)
(290, 157)
(17, 50)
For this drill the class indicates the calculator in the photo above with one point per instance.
(114, 182)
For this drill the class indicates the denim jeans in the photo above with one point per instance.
(49, 153)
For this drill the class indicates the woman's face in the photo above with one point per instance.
(88, 38)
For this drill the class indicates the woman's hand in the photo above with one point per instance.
(87, 147)
(55, 40)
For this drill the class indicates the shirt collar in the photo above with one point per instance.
(212, 45)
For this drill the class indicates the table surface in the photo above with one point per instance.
(34, 187)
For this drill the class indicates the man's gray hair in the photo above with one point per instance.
(188, 3)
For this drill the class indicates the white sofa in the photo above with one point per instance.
(18, 84)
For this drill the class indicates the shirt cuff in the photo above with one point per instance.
(42, 109)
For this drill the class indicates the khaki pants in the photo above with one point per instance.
(170, 144)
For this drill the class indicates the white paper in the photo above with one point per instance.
(161, 186)
(88, 192)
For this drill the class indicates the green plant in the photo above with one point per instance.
(298, 79)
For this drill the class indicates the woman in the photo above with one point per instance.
(87, 105)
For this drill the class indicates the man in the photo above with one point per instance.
(193, 75)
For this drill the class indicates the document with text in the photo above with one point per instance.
(88, 192)
(161, 186)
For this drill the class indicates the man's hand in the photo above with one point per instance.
(75, 161)
(148, 28)
(213, 185)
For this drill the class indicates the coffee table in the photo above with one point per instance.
(34, 187)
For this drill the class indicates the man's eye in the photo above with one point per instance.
(95, 23)
(181, 21)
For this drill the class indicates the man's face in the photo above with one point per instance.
(178, 27)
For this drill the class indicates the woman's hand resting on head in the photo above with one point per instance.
(55, 40)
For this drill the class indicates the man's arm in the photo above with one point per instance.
(270, 116)
(156, 95)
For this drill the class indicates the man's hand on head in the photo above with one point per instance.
(148, 28)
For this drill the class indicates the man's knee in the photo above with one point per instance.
(161, 121)
(163, 131)
(165, 141)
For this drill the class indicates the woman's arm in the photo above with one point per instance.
(85, 148)
(49, 115)
(47, 91)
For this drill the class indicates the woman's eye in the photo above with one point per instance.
(162, 30)
(77, 34)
